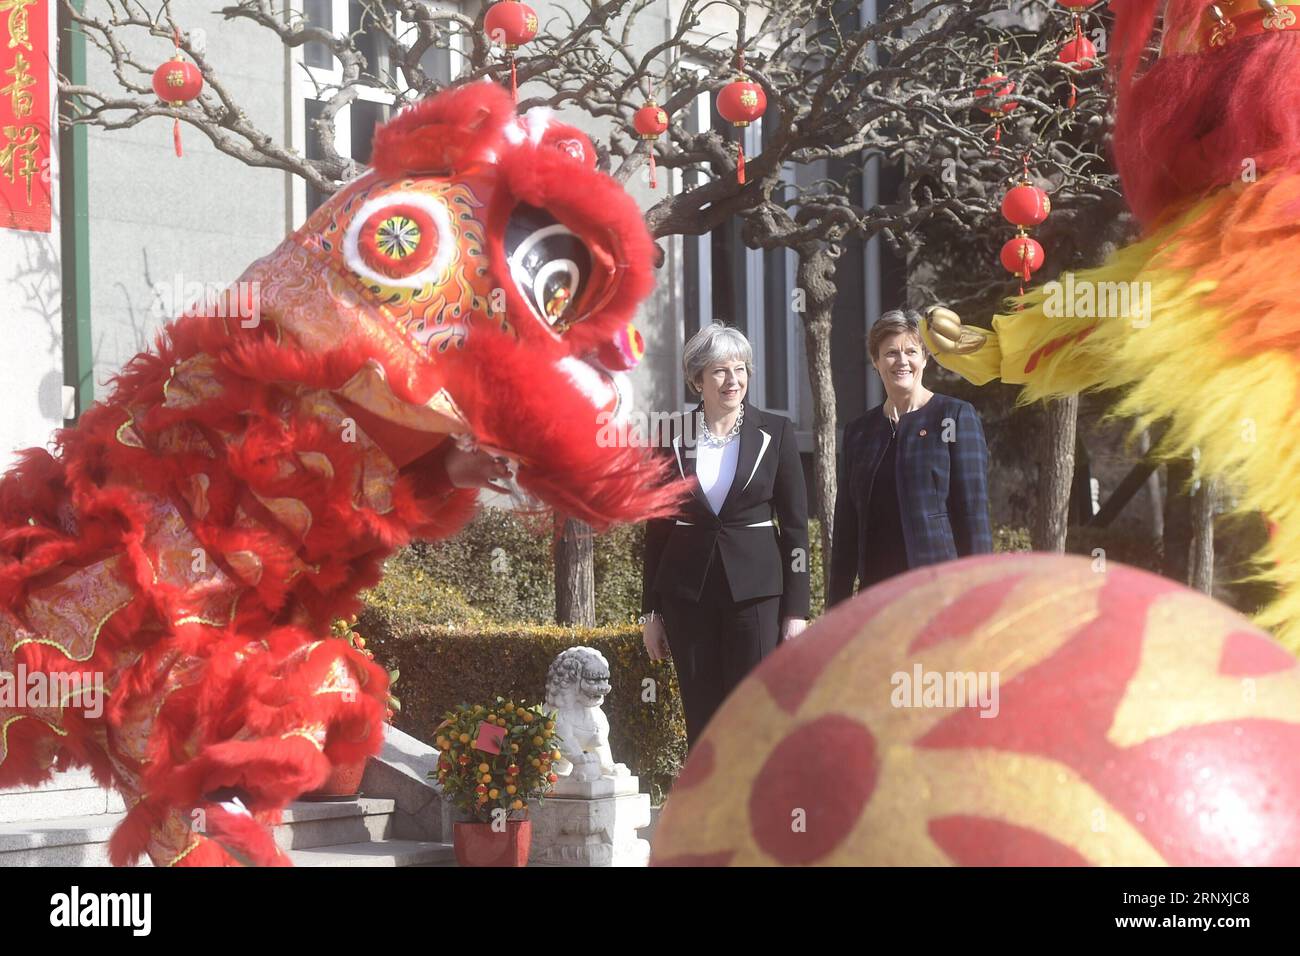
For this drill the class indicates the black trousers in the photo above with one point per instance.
(715, 643)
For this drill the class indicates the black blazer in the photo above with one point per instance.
(760, 557)
(941, 472)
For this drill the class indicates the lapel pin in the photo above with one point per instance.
(923, 433)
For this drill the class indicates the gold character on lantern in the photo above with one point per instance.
(17, 22)
(18, 156)
(530, 22)
(17, 90)
(748, 99)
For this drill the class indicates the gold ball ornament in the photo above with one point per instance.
(984, 711)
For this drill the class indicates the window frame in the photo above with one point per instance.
(304, 80)
(758, 312)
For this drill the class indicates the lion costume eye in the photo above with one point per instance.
(549, 264)
(400, 239)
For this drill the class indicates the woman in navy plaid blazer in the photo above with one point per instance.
(913, 486)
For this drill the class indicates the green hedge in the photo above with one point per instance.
(501, 568)
(445, 666)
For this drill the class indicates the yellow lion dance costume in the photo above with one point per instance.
(1198, 322)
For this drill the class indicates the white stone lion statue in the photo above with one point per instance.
(576, 685)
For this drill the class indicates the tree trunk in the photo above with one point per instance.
(1055, 476)
(1200, 572)
(575, 573)
(815, 281)
(1178, 520)
(1155, 501)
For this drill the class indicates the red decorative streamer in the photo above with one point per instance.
(25, 56)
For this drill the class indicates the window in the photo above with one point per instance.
(723, 280)
(317, 75)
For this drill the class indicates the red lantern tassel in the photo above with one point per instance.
(654, 183)
(514, 80)
(740, 163)
(176, 136)
(1078, 45)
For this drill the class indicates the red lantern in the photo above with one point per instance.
(740, 102)
(1080, 52)
(1022, 256)
(995, 85)
(650, 122)
(1026, 205)
(177, 82)
(510, 23)
(1076, 4)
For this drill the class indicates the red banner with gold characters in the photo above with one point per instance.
(25, 57)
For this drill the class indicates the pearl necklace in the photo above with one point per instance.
(710, 440)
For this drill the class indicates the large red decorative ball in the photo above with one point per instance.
(177, 81)
(650, 121)
(741, 102)
(1026, 205)
(1022, 255)
(995, 85)
(1008, 710)
(1080, 52)
(510, 23)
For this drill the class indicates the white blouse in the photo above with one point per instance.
(716, 470)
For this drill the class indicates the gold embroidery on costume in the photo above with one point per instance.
(192, 382)
(338, 680)
(315, 733)
(69, 615)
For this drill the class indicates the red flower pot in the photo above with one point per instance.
(344, 781)
(477, 844)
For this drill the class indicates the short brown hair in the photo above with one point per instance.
(897, 322)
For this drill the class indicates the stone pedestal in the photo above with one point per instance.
(591, 824)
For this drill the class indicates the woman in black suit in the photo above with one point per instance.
(727, 580)
(913, 486)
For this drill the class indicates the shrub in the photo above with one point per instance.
(480, 781)
(445, 667)
(1008, 540)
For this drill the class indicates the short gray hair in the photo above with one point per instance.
(895, 322)
(715, 343)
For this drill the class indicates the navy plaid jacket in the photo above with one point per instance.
(941, 473)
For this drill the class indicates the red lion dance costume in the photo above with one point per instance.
(1208, 147)
(192, 539)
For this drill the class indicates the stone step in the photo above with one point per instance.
(307, 827)
(73, 793)
(311, 824)
(385, 853)
(64, 841)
